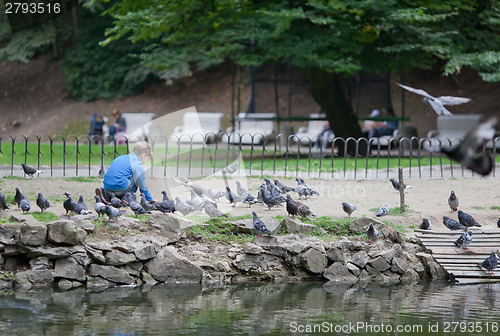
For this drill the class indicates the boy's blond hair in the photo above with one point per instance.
(142, 147)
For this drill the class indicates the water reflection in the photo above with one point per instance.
(251, 309)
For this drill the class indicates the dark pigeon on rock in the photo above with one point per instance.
(25, 205)
(3, 202)
(382, 211)
(291, 206)
(30, 171)
(18, 197)
(395, 184)
(99, 207)
(84, 210)
(348, 208)
(259, 225)
(42, 203)
(164, 206)
(165, 196)
(470, 151)
(466, 219)
(453, 201)
(464, 240)
(425, 225)
(135, 206)
(112, 212)
(453, 224)
(489, 263)
(372, 233)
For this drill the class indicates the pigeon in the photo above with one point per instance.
(115, 201)
(240, 190)
(231, 169)
(489, 263)
(437, 104)
(453, 201)
(99, 207)
(470, 152)
(453, 224)
(464, 240)
(305, 211)
(145, 204)
(395, 185)
(301, 189)
(282, 187)
(382, 211)
(165, 196)
(3, 202)
(267, 198)
(498, 222)
(348, 208)
(42, 203)
(274, 190)
(18, 197)
(466, 219)
(112, 212)
(372, 233)
(69, 204)
(135, 206)
(250, 200)
(311, 190)
(82, 207)
(213, 194)
(195, 201)
(165, 206)
(212, 211)
(232, 197)
(25, 205)
(291, 206)
(425, 225)
(184, 208)
(259, 226)
(30, 171)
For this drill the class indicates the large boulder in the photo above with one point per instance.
(170, 266)
(8, 234)
(63, 232)
(49, 252)
(360, 259)
(314, 261)
(118, 258)
(111, 273)
(32, 233)
(168, 225)
(339, 272)
(295, 225)
(30, 278)
(69, 268)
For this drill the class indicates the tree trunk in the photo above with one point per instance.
(326, 90)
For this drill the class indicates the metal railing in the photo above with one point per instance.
(258, 154)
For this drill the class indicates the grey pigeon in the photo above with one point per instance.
(453, 224)
(311, 190)
(42, 203)
(470, 152)
(184, 208)
(372, 233)
(268, 199)
(259, 226)
(301, 189)
(291, 206)
(466, 219)
(30, 171)
(84, 210)
(25, 205)
(348, 208)
(395, 184)
(232, 197)
(145, 204)
(453, 201)
(437, 103)
(250, 200)
(464, 240)
(425, 225)
(99, 206)
(195, 201)
(135, 206)
(18, 197)
(212, 211)
(489, 263)
(3, 202)
(274, 190)
(115, 201)
(112, 212)
(240, 190)
(231, 169)
(305, 211)
(164, 206)
(382, 211)
(213, 194)
(69, 204)
(282, 187)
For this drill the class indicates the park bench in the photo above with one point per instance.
(138, 127)
(251, 128)
(451, 130)
(198, 127)
(309, 133)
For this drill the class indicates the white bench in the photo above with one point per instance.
(451, 130)
(198, 127)
(309, 133)
(250, 128)
(138, 127)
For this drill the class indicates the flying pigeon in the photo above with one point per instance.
(453, 201)
(18, 197)
(372, 233)
(382, 211)
(135, 206)
(395, 185)
(69, 204)
(470, 152)
(3, 202)
(437, 104)
(466, 219)
(305, 211)
(115, 201)
(464, 240)
(232, 197)
(348, 208)
(425, 225)
(25, 205)
(42, 203)
(30, 171)
(291, 206)
(145, 204)
(489, 263)
(259, 226)
(282, 187)
(99, 207)
(184, 208)
(212, 211)
(231, 169)
(453, 224)
(112, 212)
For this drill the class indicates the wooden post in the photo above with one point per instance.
(401, 190)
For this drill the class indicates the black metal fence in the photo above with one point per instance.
(258, 154)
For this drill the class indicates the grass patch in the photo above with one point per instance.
(222, 230)
(16, 178)
(328, 226)
(143, 218)
(90, 179)
(478, 208)
(44, 217)
(495, 207)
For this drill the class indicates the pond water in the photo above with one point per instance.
(429, 308)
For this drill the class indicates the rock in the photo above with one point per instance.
(353, 269)
(145, 252)
(147, 278)
(335, 254)
(33, 233)
(49, 252)
(252, 248)
(64, 284)
(8, 234)
(85, 222)
(95, 254)
(69, 268)
(102, 245)
(82, 257)
(409, 276)
(222, 266)
(118, 258)
(98, 282)
(360, 259)
(258, 264)
(399, 265)
(6, 280)
(351, 245)
(339, 272)
(30, 278)
(40, 263)
(314, 261)
(170, 266)
(63, 232)
(246, 225)
(361, 224)
(168, 226)
(14, 250)
(431, 266)
(111, 273)
(295, 225)
(380, 264)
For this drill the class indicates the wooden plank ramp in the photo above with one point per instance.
(461, 264)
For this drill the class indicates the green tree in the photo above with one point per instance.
(327, 38)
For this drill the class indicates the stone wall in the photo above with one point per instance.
(64, 253)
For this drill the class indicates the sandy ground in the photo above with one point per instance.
(427, 198)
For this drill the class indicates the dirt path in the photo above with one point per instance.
(479, 197)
